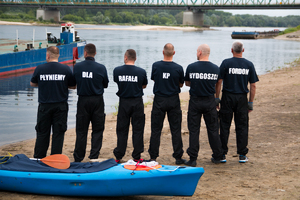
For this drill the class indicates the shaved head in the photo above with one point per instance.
(203, 52)
(169, 49)
(204, 48)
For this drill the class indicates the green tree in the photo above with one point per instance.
(179, 17)
(99, 18)
(82, 13)
(231, 21)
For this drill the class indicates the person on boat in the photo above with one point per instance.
(91, 79)
(131, 81)
(168, 78)
(235, 74)
(53, 80)
(202, 76)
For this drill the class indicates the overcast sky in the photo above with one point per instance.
(271, 12)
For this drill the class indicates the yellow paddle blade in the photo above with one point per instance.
(58, 161)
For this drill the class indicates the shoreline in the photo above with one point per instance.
(110, 27)
(294, 36)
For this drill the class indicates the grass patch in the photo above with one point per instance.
(116, 107)
(290, 30)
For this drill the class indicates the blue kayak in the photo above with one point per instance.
(112, 180)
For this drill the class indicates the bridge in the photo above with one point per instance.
(192, 16)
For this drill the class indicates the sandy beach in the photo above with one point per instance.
(111, 27)
(273, 169)
(294, 36)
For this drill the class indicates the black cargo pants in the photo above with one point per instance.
(205, 106)
(89, 109)
(161, 106)
(50, 115)
(237, 105)
(130, 109)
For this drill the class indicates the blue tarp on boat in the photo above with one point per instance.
(21, 162)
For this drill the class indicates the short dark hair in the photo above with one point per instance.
(131, 54)
(90, 49)
(53, 51)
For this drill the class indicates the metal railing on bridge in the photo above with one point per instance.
(203, 4)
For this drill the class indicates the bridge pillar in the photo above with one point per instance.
(48, 14)
(193, 17)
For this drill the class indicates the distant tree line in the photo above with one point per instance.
(220, 18)
(150, 16)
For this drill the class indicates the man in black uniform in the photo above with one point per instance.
(52, 80)
(91, 78)
(235, 73)
(168, 78)
(131, 81)
(202, 77)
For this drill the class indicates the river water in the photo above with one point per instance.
(18, 101)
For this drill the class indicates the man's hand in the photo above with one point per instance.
(217, 100)
(250, 106)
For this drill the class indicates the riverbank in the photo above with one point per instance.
(294, 36)
(274, 144)
(115, 27)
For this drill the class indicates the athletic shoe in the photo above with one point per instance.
(223, 159)
(180, 161)
(243, 159)
(191, 163)
(215, 161)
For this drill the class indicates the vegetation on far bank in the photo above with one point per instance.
(290, 30)
(147, 16)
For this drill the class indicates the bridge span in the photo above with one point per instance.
(192, 16)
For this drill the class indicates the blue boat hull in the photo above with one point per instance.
(244, 35)
(115, 181)
(24, 61)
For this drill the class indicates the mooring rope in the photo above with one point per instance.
(5, 157)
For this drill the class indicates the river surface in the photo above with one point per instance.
(18, 101)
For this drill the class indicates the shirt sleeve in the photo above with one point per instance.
(222, 71)
(105, 78)
(181, 80)
(187, 77)
(71, 78)
(115, 76)
(145, 81)
(34, 78)
(253, 75)
(152, 72)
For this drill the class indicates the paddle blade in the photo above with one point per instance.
(58, 161)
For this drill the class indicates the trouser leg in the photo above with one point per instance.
(59, 127)
(226, 115)
(241, 119)
(43, 128)
(82, 125)
(157, 121)
(212, 125)
(194, 123)
(98, 125)
(123, 121)
(175, 118)
(138, 124)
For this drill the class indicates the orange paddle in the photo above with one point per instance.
(58, 161)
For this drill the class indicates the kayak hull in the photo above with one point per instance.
(115, 181)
